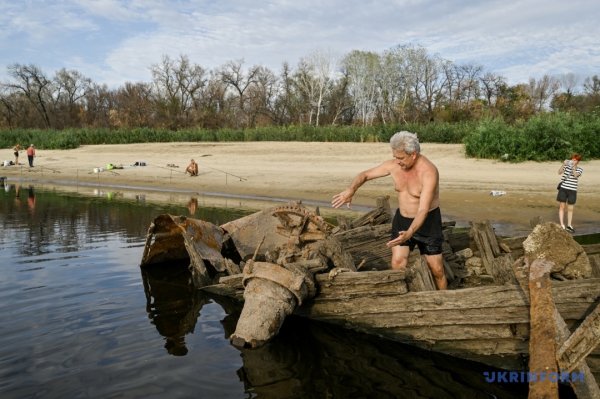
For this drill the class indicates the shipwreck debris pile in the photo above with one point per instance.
(287, 259)
(273, 254)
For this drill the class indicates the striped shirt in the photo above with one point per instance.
(569, 182)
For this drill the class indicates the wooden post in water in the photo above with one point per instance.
(585, 388)
(542, 344)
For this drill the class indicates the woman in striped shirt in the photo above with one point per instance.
(567, 193)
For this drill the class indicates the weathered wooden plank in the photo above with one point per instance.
(502, 270)
(582, 342)
(542, 343)
(382, 292)
(486, 242)
(465, 332)
(367, 245)
(388, 314)
(345, 284)
(570, 295)
(225, 291)
(419, 276)
(587, 388)
(487, 347)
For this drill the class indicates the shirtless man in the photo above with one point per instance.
(418, 221)
(192, 168)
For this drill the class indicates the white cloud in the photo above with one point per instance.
(114, 41)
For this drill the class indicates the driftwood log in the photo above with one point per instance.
(584, 388)
(542, 338)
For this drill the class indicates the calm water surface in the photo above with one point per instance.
(78, 319)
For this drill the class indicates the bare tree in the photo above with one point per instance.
(492, 85)
(286, 103)
(396, 85)
(427, 77)
(591, 86)
(213, 110)
(262, 95)
(99, 103)
(362, 69)
(233, 75)
(31, 81)
(541, 91)
(133, 106)
(178, 85)
(314, 78)
(568, 82)
(70, 90)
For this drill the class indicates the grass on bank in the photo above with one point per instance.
(545, 137)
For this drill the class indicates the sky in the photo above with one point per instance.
(114, 41)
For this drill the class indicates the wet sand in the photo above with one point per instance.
(250, 174)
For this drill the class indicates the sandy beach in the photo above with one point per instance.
(251, 173)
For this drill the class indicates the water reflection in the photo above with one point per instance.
(192, 205)
(309, 359)
(31, 199)
(172, 304)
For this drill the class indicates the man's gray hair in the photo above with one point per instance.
(405, 141)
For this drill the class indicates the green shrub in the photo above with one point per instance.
(549, 136)
(544, 137)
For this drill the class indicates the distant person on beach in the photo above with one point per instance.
(567, 190)
(16, 150)
(192, 168)
(31, 155)
(418, 220)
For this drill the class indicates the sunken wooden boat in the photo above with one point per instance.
(288, 259)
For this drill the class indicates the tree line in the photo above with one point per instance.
(402, 85)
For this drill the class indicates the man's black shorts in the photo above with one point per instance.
(428, 238)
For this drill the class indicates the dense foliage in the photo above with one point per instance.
(73, 138)
(547, 136)
(541, 138)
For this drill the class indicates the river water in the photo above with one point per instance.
(79, 319)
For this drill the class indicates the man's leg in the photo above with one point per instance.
(400, 257)
(436, 265)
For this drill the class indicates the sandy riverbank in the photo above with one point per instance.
(313, 172)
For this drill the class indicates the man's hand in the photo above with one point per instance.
(345, 197)
(402, 237)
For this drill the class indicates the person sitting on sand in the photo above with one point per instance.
(192, 168)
